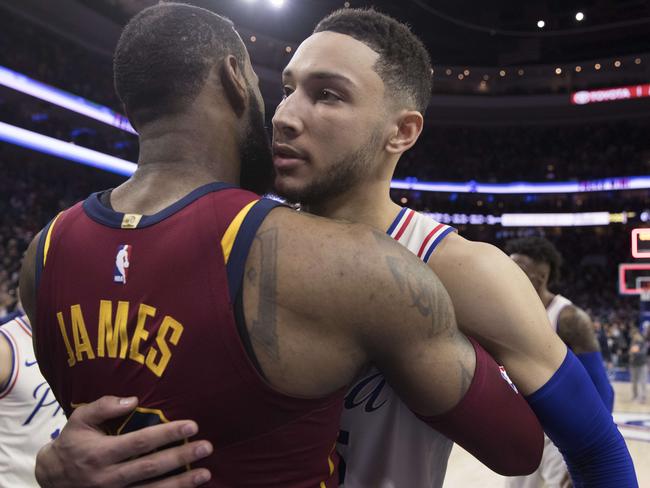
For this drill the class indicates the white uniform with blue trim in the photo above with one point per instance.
(382, 443)
(29, 413)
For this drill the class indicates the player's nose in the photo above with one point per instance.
(286, 122)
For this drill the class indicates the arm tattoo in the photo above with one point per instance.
(421, 292)
(264, 327)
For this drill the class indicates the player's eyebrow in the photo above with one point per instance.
(322, 75)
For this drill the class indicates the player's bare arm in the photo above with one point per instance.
(6, 358)
(96, 459)
(576, 329)
(496, 304)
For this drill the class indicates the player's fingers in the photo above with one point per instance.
(159, 463)
(143, 441)
(189, 479)
(106, 408)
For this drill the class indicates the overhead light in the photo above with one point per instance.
(277, 3)
(461, 76)
(637, 61)
(346, 4)
(558, 71)
(578, 69)
(597, 66)
(541, 24)
(520, 72)
(466, 72)
(502, 73)
(617, 63)
(448, 72)
(253, 38)
(486, 77)
(580, 16)
(288, 49)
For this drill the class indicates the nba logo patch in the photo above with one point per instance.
(122, 263)
(505, 376)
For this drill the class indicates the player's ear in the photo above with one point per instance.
(234, 85)
(406, 131)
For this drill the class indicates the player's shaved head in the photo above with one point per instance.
(403, 65)
(164, 57)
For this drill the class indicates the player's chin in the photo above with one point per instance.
(289, 186)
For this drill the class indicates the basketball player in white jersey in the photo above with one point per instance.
(355, 92)
(541, 261)
(29, 414)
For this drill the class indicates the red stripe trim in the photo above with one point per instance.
(24, 325)
(15, 372)
(428, 238)
(404, 225)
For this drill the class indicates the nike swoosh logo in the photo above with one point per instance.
(28, 363)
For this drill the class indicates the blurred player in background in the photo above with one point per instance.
(29, 413)
(541, 261)
(639, 366)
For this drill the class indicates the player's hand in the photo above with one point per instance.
(83, 456)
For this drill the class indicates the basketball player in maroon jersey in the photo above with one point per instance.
(216, 305)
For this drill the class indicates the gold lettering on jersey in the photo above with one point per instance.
(119, 338)
(111, 334)
(140, 333)
(80, 334)
(131, 221)
(71, 360)
(165, 353)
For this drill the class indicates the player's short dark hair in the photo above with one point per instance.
(538, 249)
(403, 65)
(164, 56)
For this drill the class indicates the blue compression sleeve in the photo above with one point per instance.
(593, 363)
(574, 417)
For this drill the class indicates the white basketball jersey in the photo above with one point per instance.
(555, 307)
(382, 443)
(29, 413)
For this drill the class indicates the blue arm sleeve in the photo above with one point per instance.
(593, 363)
(576, 420)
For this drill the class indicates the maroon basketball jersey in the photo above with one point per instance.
(151, 306)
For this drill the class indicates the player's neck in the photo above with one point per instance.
(546, 297)
(368, 203)
(173, 161)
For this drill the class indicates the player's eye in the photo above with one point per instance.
(286, 91)
(327, 96)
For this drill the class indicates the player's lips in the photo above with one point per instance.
(286, 157)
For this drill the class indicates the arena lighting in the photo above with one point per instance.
(541, 24)
(641, 234)
(580, 16)
(617, 63)
(277, 3)
(518, 188)
(623, 269)
(89, 157)
(584, 97)
(66, 150)
(555, 219)
(24, 84)
(558, 71)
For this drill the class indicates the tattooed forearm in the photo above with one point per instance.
(264, 328)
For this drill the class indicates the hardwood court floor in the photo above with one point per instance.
(633, 420)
